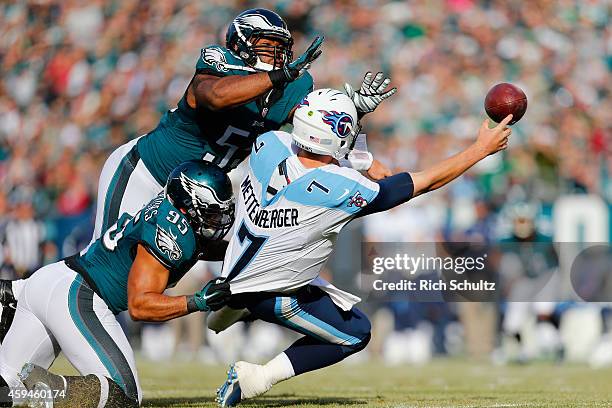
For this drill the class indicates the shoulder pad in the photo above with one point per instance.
(220, 61)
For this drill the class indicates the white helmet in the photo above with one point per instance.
(325, 123)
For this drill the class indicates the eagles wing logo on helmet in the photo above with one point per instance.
(166, 242)
(261, 22)
(215, 58)
(341, 122)
(197, 190)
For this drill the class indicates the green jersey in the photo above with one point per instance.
(160, 228)
(222, 137)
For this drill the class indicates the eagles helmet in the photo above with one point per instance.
(251, 25)
(203, 193)
(325, 123)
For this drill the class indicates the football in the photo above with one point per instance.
(505, 99)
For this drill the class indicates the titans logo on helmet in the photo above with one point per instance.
(303, 102)
(341, 122)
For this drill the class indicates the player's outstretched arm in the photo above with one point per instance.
(147, 281)
(217, 93)
(489, 141)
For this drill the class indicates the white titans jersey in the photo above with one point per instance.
(288, 218)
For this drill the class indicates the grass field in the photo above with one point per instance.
(442, 383)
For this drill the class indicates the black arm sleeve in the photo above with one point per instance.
(394, 190)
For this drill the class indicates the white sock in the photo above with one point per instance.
(279, 369)
(103, 390)
(257, 379)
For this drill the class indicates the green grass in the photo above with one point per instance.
(442, 383)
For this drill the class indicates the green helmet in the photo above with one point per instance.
(203, 193)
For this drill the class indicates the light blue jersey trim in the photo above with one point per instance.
(337, 191)
(265, 158)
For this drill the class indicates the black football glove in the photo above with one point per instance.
(371, 93)
(213, 296)
(293, 70)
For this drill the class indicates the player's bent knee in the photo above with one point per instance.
(361, 325)
(357, 347)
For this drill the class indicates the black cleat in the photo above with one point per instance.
(9, 306)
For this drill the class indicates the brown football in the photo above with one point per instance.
(504, 99)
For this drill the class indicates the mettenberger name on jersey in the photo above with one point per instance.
(276, 218)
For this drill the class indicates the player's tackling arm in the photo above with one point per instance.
(230, 91)
(217, 93)
(489, 141)
(147, 280)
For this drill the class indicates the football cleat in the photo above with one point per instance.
(229, 394)
(40, 396)
(8, 306)
(31, 375)
(42, 383)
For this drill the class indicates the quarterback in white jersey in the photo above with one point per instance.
(293, 202)
(288, 219)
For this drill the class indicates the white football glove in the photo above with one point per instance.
(371, 93)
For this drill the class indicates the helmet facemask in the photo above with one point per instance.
(210, 216)
(253, 49)
(280, 54)
(212, 221)
(246, 33)
(346, 148)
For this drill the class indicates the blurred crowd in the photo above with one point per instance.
(81, 77)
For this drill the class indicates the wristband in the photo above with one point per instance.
(278, 77)
(191, 304)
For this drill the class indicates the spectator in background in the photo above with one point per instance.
(24, 236)
(80, 78)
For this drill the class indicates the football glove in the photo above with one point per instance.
(295, 69)
(371, 93)
(213, 296)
